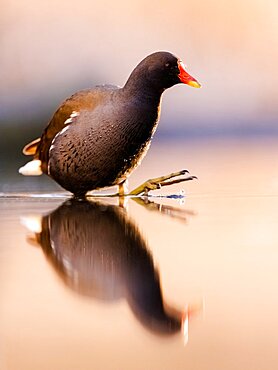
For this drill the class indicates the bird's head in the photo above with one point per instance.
(163, 69)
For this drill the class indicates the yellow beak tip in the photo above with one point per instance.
(194, 84)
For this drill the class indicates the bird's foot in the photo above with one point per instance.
(157, 183)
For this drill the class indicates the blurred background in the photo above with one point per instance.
(223, 254)
(50, 49)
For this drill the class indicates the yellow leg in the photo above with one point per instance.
(157, 183)
(123, 188)
(151, 184)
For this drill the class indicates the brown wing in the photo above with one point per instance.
(82, 100)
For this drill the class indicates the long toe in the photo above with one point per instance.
(158, 182)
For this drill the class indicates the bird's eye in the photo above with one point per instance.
(167, 65)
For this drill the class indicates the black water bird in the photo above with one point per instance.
(98, 136)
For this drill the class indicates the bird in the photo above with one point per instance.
(98, 136)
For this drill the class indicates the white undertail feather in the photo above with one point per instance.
(32, 168)
(32, 223)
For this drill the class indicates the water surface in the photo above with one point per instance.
(163, 285)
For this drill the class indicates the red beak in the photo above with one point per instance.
(185, 77)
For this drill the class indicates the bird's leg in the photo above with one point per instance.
(157, 183)
(122, 192)
(123, 188)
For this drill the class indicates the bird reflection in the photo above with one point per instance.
(99, 252)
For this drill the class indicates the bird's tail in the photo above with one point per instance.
(31, 148)
(32, 168)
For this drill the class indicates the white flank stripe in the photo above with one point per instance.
(58, 134)
(62, 131)
(69, 120)
(74, 114)
(51, 147)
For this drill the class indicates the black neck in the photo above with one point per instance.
(142, 89)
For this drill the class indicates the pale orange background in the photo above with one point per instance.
(51, 48)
